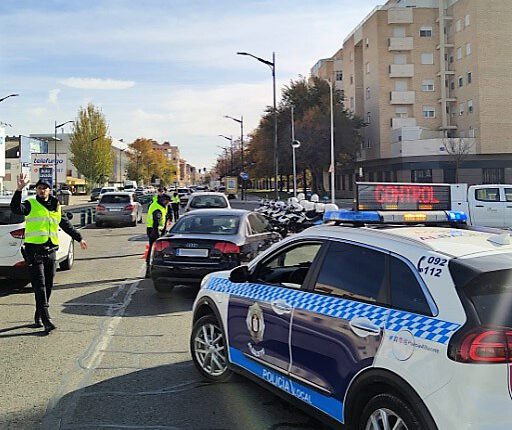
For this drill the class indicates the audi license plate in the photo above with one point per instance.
(185, 252)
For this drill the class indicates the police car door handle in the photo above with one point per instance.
(281, 307)
(363, 327)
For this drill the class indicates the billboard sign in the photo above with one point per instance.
(29, 146)
(46, 174)
(39, 161)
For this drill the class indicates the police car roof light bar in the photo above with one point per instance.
(398, 217)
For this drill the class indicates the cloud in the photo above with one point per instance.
(53, 96)
(97, 84)
(38, 112)
(141, 114)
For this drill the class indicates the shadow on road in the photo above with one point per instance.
(149, 303)
(174, 396)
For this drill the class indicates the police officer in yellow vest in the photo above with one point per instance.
(175, 204)
(156, 222)
(43, 218)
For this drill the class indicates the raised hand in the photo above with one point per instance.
(23, 181)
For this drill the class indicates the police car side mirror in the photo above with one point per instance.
(69, 215)
(239, 275)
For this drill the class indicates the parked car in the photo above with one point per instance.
(118, 208)
(184, 194)
(95, 194)
(107, 190)
(205, 241)
(12, 235)
(207, 200)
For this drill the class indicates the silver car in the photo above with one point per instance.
(118, 208)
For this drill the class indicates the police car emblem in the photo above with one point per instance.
(255, 323)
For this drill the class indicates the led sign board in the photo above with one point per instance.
(402, 197)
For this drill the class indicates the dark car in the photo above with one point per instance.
(95, 194)
(206, 241)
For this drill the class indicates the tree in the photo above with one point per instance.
(145, 162)
(458, 149)
(91, 148)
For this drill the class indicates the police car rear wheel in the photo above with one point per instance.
(208, 348)
(386, 411)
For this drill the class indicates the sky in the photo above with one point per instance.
(161, 69)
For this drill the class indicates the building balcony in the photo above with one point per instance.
(449, 100)
(400, 15)
(425, 148)
(448, 127)
(402, 97)
(446, 45)
(402, 122)
(400, 43)
(446, 72)
(401, 70)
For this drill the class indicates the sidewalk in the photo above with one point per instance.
(80, 200)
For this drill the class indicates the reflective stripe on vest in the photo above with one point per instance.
(41, 224)
(152, 208)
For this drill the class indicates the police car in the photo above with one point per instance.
(375, 320)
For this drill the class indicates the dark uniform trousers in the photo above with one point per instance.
(176, 211)
(153, 235)
(42, 268)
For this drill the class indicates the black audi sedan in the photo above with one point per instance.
(206, 241)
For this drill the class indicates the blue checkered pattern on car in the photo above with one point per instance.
(420, 326)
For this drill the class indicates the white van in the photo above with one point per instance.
(130, 185)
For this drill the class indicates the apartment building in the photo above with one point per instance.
(433, 80)
(171, 152)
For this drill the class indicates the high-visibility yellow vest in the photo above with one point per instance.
(41, 224)
(175, 199)
(152, 208)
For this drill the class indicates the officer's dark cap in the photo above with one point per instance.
(43, 183)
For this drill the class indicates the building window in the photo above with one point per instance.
(400, 59)
(427, 85)
(426, 32)
(339, 75)
(459, 53)
(467, 21)
(493, 176)
(367, 93)
(471, 132)
(7, 166)
(468, 48)
(367, 42)
(399, 31)
(401, 112)
(449, 176)
(451, 58)
(69, 172)
(351, 102)
(462, 108)
(470, 77)
(367, 68)
(368, 117)
(429, 112)
(351, 56)
(461, 81)
(452, 85)
(470, 106)
(427, 58)
(401, 85)
(351, 79)
(458, 25)
(421, 175)
(368, 143)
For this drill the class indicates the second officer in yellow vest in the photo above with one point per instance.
(43, 218)
(156, 222)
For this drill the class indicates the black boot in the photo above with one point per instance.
(47, 322)
(38, 323)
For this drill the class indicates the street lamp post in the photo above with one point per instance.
(10, 95)
(230, 150)
(272, 65)
(332, 167)
(242, 169)
(55, 148)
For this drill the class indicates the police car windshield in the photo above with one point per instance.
(207, 224)
(487, 283)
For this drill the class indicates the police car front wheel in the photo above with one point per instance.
(386, 411)
(208, 348)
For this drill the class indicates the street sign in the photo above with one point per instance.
(46, 174)
(244, 175)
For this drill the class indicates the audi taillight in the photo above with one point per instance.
(483, 345)
(129, 207)
(100, 208)
(227, 248)
(18, 234)
(159, 246)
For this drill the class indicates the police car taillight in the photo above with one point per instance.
(483, 345)
(18, 234)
